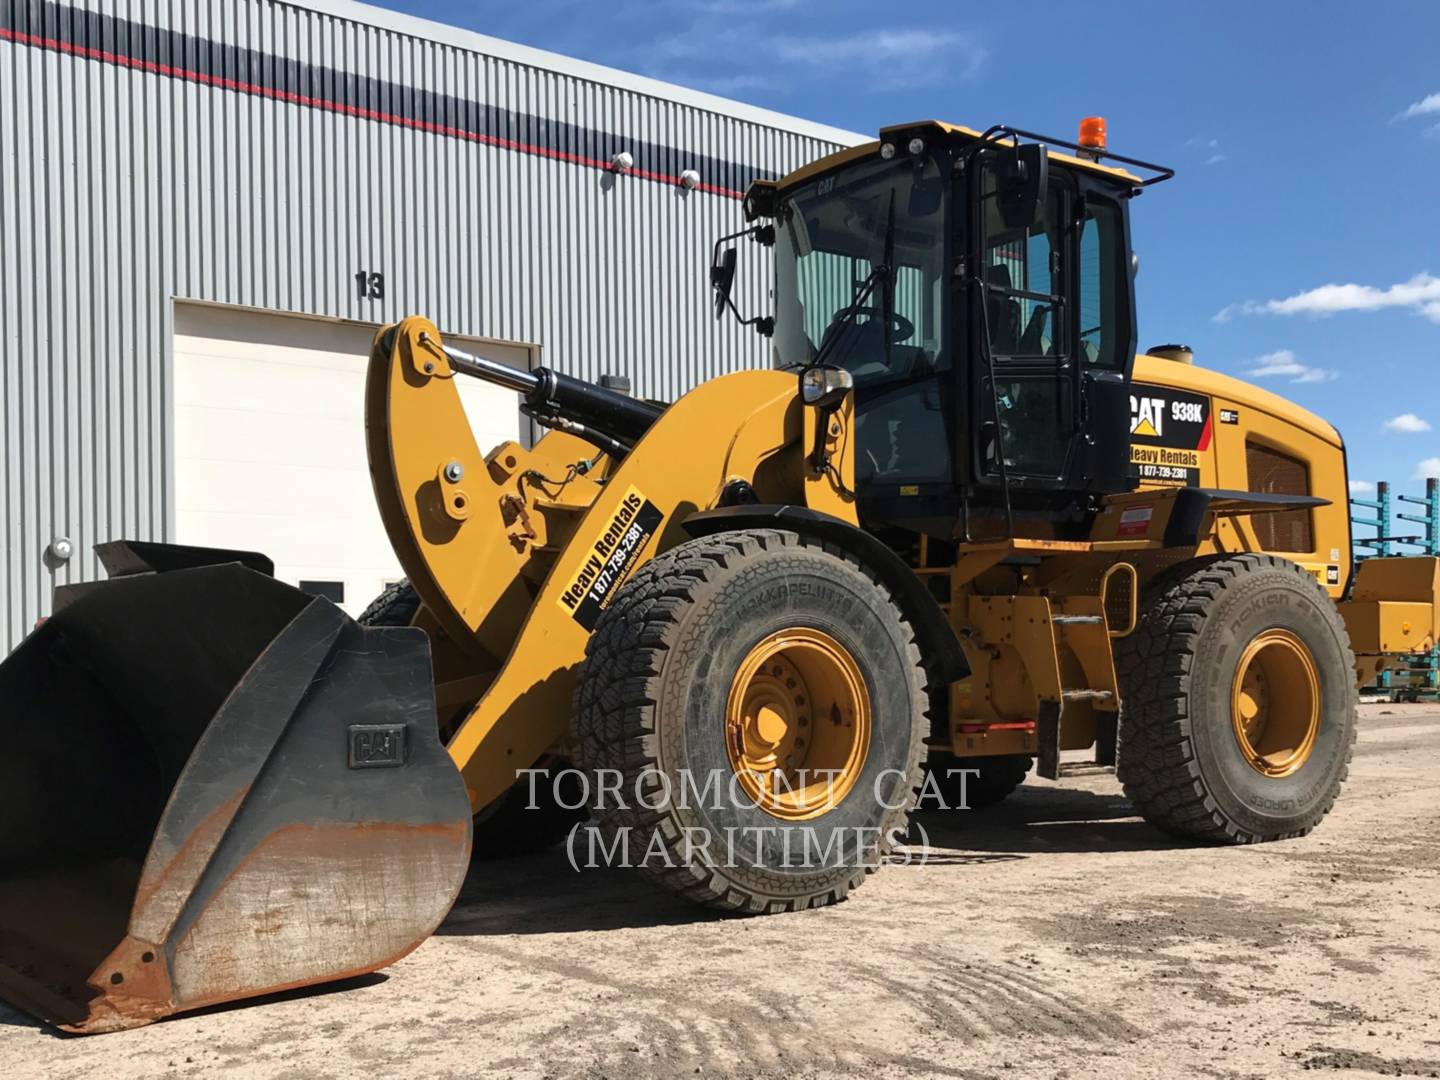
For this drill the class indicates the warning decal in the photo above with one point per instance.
(611, 558)
(1169, 430)
(1135, 520)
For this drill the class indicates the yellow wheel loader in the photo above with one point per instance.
(958, 517)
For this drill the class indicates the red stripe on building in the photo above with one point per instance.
(326, 105)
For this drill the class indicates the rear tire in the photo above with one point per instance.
(656, 703)
(987, 781)
(397, 605)
(509, 826)
(1189, 670)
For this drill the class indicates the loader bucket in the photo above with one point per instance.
(213, 786)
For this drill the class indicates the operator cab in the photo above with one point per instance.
(978, 290)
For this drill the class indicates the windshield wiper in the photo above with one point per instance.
(880, 272)
(887, 303)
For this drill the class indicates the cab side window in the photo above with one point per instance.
(1022, 275)
(1102, 300)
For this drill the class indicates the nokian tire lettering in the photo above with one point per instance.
(652, 697)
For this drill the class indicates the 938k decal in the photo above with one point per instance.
(1169, 430)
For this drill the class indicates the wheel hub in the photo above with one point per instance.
(797, 723)
(1275, 703)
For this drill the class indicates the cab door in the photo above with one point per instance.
(1105, 340)
(1025, 395)
(1054, 311)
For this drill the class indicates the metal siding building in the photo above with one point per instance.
(260, 155)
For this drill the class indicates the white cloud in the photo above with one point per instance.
(1361, 487)
(880, 51)
(1421, 293)
(1283, 364)
(1426, 106)
(1427, 468)
(719, 57)
(1407, 423)
(1208, 147)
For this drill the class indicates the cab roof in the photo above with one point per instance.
(949, 131)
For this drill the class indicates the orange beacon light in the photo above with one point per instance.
(1092, 133)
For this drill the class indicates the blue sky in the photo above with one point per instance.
(1301, 238)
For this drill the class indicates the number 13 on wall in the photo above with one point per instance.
(370, 284)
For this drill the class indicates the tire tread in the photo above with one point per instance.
(618, 692)
(1157, 766)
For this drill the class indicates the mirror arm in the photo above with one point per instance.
(761, 234)
(764, 324)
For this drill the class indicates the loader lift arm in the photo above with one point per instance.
(523, 605)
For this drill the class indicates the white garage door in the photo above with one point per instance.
(270, 443)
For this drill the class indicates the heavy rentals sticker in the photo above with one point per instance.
(1169, 430)
(611, 558)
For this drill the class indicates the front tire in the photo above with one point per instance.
(754, 653)
(1238, 692)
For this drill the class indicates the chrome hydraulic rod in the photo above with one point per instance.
(492, 370)
(618, 417)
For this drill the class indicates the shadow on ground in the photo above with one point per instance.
(1040, 820)
(12, 1017)
(543, 894)
(15, 1018)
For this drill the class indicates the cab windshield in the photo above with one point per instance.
(878, 229)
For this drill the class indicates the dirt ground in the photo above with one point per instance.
(1055, 935)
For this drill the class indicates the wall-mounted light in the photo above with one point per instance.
(690, 179)
(61, 548)
(622, 161)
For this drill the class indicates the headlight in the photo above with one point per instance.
(824, 385)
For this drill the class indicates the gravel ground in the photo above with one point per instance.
(1055, 935)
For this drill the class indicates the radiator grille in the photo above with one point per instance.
(1274, 473)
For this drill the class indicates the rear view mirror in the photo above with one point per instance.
(759, 200)
(722, 278)
(1022, 180)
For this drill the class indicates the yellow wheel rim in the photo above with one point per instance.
(797, 723)
(1275, 703)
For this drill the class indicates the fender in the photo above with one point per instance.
(944, 657)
